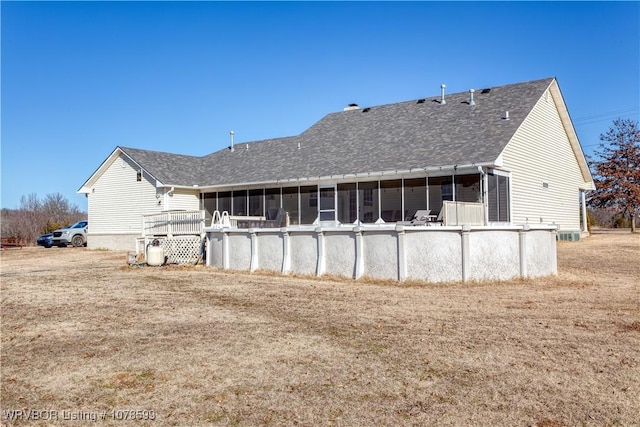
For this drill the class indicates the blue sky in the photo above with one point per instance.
(80, 78)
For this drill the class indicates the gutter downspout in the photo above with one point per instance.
(166, 198)
(483, 194)
(585, 228)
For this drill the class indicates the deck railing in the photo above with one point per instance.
(224, 220)
(173, 223)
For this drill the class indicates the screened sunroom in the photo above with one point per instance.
(364, 200)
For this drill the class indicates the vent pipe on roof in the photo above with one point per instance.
(506, 115)
(442, 100)
(471, 101)
(351, 107)
(231, 133)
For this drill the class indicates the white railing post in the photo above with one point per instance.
(402, 253)
(254, 263)
(321, 263)
(522, 253)
(465, 252)
(357, 230)
(286, 251)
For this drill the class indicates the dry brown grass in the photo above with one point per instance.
(206, 347)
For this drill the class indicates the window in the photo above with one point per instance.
(308, 204)
(224, 202)
(347, 203)
(240, 203)
(209, 204)
(468, 188)
(290, 204)
(415, 196)
(256, 199)
(440, 188)
(368, 201)
(272, 198)
(367, 197)
(498, 197)
(391, 200)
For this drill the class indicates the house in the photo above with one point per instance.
(512, 149)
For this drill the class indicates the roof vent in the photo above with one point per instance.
(442, 100)
(471, 101)
(351, 107)
(231, 133)
(506, 115)
(486, 90)
(366, 110)
(420, 101)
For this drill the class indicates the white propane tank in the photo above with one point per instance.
(155, 254)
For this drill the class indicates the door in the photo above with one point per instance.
(327, 205)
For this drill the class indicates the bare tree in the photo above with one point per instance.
(28, 218)
(616, 170)
(58, 212)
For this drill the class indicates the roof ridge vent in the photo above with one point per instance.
(442, 100)
(350, 107)
(471, 101)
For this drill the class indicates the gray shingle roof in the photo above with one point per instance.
(397, 136)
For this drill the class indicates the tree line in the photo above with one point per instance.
(35, 216)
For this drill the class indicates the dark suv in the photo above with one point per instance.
(75, 234)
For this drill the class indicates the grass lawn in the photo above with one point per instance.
(82, 334)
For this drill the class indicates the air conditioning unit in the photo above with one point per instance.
(569, 236)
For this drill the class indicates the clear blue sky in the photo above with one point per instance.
(80, 78)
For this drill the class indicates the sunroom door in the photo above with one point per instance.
(327, 205)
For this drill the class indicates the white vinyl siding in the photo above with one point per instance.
(546, 177)
(117, 201)
(183, 200)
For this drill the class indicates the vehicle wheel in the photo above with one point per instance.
(77, 241)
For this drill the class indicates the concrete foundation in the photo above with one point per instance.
(115, 242)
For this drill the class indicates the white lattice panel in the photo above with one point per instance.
(181, 249)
